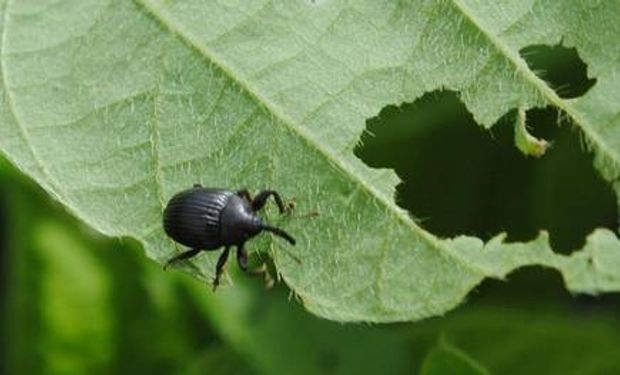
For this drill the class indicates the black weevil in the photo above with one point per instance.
(208, 219)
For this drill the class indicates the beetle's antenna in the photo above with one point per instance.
(279, 232)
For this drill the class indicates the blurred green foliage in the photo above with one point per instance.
(74, 302)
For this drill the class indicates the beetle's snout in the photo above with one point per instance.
(280, 233)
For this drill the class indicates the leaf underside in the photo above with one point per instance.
(114, 106)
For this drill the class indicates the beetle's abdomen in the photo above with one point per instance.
(192, 217)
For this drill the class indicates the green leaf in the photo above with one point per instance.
(114, 106)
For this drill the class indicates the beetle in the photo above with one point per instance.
(208, 219)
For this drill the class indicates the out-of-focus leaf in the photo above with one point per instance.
(75, 305)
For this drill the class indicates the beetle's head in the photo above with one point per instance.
(252, 226)
(239, 223)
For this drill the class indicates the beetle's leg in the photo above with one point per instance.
(184, 255)
(245, 193)
(242, 258)
(261, 199)
(264, 272)
(219, 267)
(197, 185)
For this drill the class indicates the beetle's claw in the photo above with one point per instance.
(290, 206)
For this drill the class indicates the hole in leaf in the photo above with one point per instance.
(561, 67)
(459, 178)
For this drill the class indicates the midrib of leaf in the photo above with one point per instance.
(167, 21)
(528, 75)
(154, 140)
